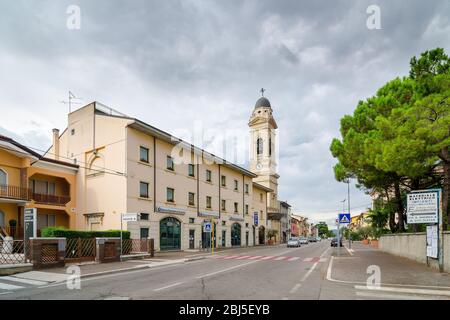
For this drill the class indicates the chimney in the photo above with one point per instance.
(56, 143)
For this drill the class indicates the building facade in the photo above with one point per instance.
(128, 166)
(28, 180)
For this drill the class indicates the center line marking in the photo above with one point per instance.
(169, 286)
(295, 288)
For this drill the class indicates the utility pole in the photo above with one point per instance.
(348, 203)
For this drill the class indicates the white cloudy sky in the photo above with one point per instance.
(176, 63)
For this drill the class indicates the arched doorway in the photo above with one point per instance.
(169, 234)
(3, 178)
(235, 234)
(262, 235)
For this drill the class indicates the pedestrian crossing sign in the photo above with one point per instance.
(344, 218)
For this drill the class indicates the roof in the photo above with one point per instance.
(263, 102)
(35, 154)
(260, 186)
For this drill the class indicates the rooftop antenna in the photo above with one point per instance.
(70, 101)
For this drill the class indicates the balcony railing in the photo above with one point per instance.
(14, 192)
(50, 199)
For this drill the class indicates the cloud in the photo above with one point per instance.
(176, 63)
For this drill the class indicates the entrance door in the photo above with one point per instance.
(262, 235)
(191, 239)
(246, 238)
(254, 236)
(170, 234)
(224, 237)
(235, 234)
(206, 238)
(2, 219)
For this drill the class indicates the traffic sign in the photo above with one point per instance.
(129, 217)
(344, 218)
(207, 227)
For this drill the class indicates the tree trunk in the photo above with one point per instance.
(446, 184)
(400, 211)
(392, 225)
(415, 185)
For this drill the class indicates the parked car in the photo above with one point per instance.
(312, 239)
(319, 239)
(293, 242)
(303, 240)
(334, 242)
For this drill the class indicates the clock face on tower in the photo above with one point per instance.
(258, 166)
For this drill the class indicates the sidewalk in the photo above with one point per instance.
(352, 267)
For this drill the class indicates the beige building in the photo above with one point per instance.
(28, 180)
(128, 166)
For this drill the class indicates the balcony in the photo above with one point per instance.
(50, 199)
(14, 192)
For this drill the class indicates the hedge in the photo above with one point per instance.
(58, 232)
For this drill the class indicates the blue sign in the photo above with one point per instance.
(344, 218)
(255, 218)
(207, 227)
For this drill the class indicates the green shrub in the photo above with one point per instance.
(59, 232)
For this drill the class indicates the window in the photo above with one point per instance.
(170, 194)
(170, 165)
(72, 132)
(191, 170)
(143, 189)
(143, 154)
(223, 180)
(246, 209)
(208, 175)
(51, 188)
(261, 197)
(191, 199)
(224, 205)
(259, 146)
(144, 216)
(191, 220)
(208, 202)
(270, 146)
(144, 233)
(235, 207)
(246, 225)
(236, 185)
(246, 188)
(262, 215)
(224, 223)
(3, 178)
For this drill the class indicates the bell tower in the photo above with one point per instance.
(263, 149)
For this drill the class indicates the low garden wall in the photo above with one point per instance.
(413, 246)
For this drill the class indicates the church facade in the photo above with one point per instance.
(129, 166)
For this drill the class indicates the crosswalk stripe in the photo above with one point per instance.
(293, 258)
(254, 257)
(5, 286)
(242, 257)
(230, 257)
(279, 258)
(267, 258)
(26, 281)
(308, 259)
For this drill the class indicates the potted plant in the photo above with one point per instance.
(271, 234)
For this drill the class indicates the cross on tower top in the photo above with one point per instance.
(262, 91)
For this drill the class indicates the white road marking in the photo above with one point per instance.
(313, 266)
(254, 257)
(224, 270)
(391, 296)
(267, 258)
(405, 290)
(348, 250)
(285, 298)
(5, 286)
(27, 281)
(308, 259)
(295, 288)
(293, 258)
(230, 257)
(169, 286)
(279, 258)
(2, 293)
(243, 257)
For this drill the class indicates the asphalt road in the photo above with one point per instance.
(242, 274)
(313, 271)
